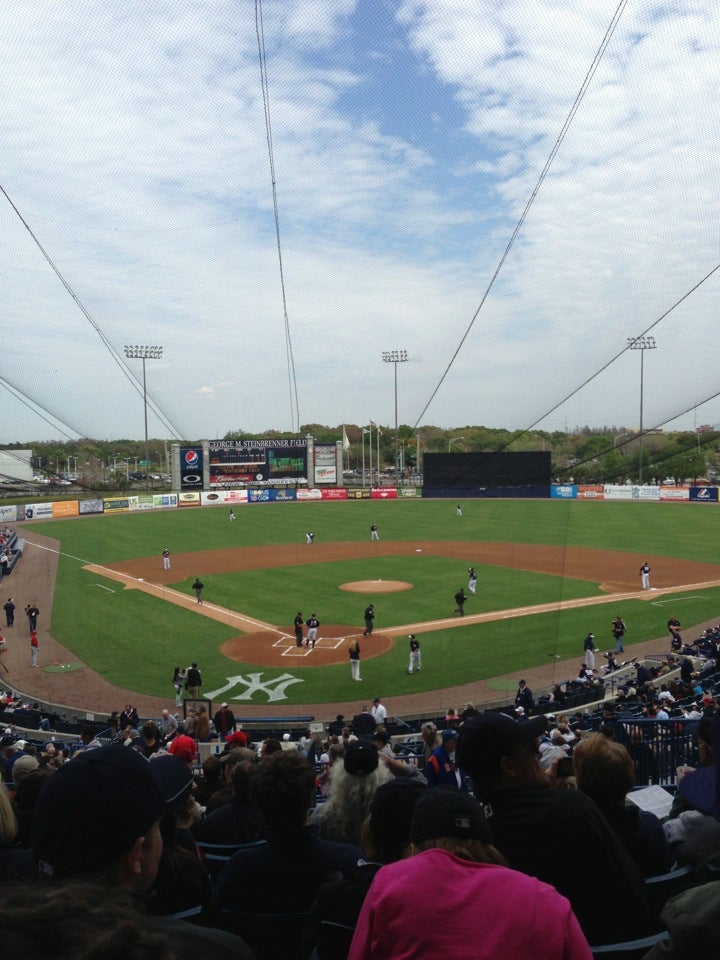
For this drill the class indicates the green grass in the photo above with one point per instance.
(135, 640)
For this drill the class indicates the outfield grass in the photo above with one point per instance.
(135, 640)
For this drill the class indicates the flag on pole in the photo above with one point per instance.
(372, 423)
(345, 441)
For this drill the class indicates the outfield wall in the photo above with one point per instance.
(61, 509)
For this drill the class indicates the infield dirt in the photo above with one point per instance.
(257, 642)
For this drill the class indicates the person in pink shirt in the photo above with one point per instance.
(491, 910)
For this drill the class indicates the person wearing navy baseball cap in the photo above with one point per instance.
(100, 814)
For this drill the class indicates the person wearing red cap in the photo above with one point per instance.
(183, 748)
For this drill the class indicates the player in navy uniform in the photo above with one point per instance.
(415, 655)
(298, 624)
(369, 617)
(645, 576)
(312, 623)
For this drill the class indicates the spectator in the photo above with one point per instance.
(283, 874)
(202, 725)
(129, 717)
(605, 772)
(151, 738)
(378, 711)
(364, 723)
(692, 916)
(430, 738)
(26, 794)
(100, 787)
(184, 749)
(524, 698)
(385, 837)
(451, 839)
(15, 862)
(168, 726)
(531, 823)
(82, 920)
(12, 750)
(692, 830)
(119, 799)
(224, 721)
(193, 681)
(211, 780)
(441, 768)
(238, 821)
(227, 762)
(352, 787)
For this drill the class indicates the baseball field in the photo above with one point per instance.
(113, 621)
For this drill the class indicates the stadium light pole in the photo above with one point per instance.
(453, 440)
(395, 357)
(642, 344)
(145, 353)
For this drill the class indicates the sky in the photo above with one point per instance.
(425, 203)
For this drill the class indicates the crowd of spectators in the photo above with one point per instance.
(318, 845)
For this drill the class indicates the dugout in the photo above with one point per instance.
(488, 473)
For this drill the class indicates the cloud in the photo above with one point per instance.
(407, 140)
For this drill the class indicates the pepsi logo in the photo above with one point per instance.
(191, 458)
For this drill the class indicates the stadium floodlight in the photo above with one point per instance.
(453, 440)
(145, 353)
(395, 357)
(642, 344)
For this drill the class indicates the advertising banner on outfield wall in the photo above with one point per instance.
(704, 494)
(90, 506)
(259, 496)
(674, 493)
(36, 511)
(65, 508)
(153, 501)
(617, 492)
(649, 492)
(588, 491)
(312, 494)
(189, 498)
(409, 492)
(358, 494)
(337, 493)
(116, 504)
(384, 493)
(8, 514)
(563, 491)
(229, 497)
(283, 494)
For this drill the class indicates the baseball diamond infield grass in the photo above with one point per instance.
(134, 639)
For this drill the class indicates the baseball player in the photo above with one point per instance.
(415, 655)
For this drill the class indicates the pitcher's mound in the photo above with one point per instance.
(375, 586)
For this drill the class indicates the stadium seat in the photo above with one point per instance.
(629, 949)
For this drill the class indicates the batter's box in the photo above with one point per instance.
(283, 641)
(330, 643)
(295, 651)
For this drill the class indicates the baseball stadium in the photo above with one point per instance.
(114, 623)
